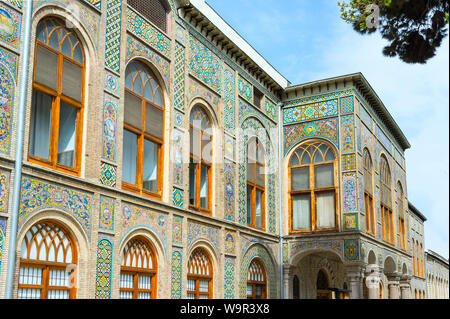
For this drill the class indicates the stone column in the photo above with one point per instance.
(393, 284)
(405, 287)
(355, 277)
(373, 278)
(287, 270)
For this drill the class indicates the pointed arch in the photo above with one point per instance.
(200, 275)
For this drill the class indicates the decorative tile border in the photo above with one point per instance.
(104, 269)
(229, 99)
(178, 197)
(198, 90)
(106, 214)
(229, 277)
(110, 127)
(229, 194)
(348, 134)
(177, 274)
(4, 190)
(197, 231)
(310, 111)
(177, 230)
(108, 174)
(350, 192)
(179, 79)
(318, 98)
(245, 89)
(113, 34)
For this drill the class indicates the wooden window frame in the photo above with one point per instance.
(256, 188)
(197, 278)
(385, 209)
(198, 161)
(142, 135)
(368, 193)
(47, 266)
(312, 191)
(255, 284)
(136, 272)
(58, 97)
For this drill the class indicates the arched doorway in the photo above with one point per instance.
(323, 285)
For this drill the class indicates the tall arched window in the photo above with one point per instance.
(56, 121)
(386, 201)
(143, 134)
(138, 270)
(401, 216)
(255, 184)
(200, 275)
(200, 166)
(368, 193)
(48, 261)
(313, 190)
(256, 280)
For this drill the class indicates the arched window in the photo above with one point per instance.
(200, 275)
(143, 134)
(256, 280)
(368, 193)
(56, 121)
(156, 11)
(255, 184)
(200, 167)
(48, 261)
(401, 216)
(386, 201)
(313, 190)
(421, 261)
(322, 285)
(138, 270)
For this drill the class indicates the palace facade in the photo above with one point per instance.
(156, 154)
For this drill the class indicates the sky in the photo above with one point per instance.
(306, 40)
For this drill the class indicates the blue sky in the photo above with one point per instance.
(306, 40)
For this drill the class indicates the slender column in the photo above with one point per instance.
(373, 278)
(355, 276)
(405, 287)
(287, 270)
(393, 284)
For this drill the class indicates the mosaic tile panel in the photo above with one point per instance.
(148, 33)
(104, 269)
(205, 64)
(229, 278)
(106, 214)
(257, 251)
(179, 85)
(112, 83)
(229, 98)
(358, 135)
(271, 109)
(327, 129)
(198, 231)
(351, 222)
(136, 49)
(366, 139)
(347, 134)
(178, 197)
(311, 111)
(318, 98)
(113, 34)
(110, 127)
(10, 27)
(384, 140)
(135, 216)
(229, 172)
(178, 119)
(177, 157)
(177, 274)
(16, 3)
(229, 146)
(38, 195)
(350, 192)
(2, 237)
(336, 246)
(198, 90)
(177, 230)
(96, 3)
(4, 190)
(8, 65)
(351, 249)
(230, 242)
(245, 89)
(365, 117)
(108, 174)
(180, 34)
(348, 162)
(347, 104)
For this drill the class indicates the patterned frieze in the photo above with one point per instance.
(197, 231)
(198, 90)
(310, 111)
(318, 98)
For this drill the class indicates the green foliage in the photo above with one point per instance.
(414, 28)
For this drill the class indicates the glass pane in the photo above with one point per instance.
(204, 187)
(249, 290)
(59, 278)
(306, 159)
(158, 98)
(330, 156)
(251, 173)
(249, 204)
(324, 176)
(133, 110)
(28, 293)
(144, 295)
(294, 161)
(30, 276)
(192, 183)
(206, 147)
(190, 296)
(126, 281)
(46, 68)
(260, 176)
(154, 121)
(258, 291)
(300, 178)
(301, 211)
(258, 208)
(41, 117)
(129, 157)
(67, 135)
(58, 294)
(203, 286)
(325, 206)
(191, 285)
(318, 157)
(72, 80)
(145, 282)
(126, 295)
(195, 144)
(150, 166)
(203, 297)
(78, 54)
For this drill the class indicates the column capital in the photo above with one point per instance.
(355, 272)
(373, 276)
(393, 277)
(405, 279)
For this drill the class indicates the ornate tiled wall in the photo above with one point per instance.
(3, 222)
(4, 190)
(110, 127)
(8, 69)
(229, 277)
(229, 83)
(310, 111)
(197, 231)
(113, 34)
(348, 134)
(179, 86)
(229, 194)
(245, 89)
(10, 27)
(177, 274)
(104, 269)
(108, 174)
